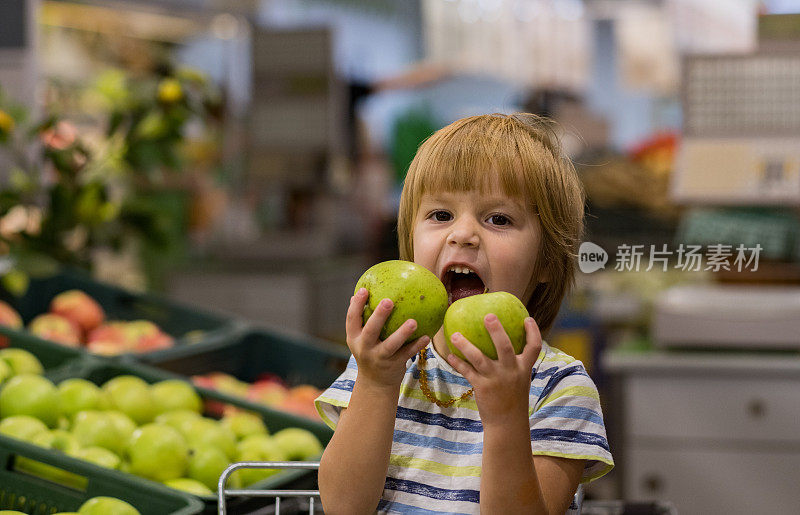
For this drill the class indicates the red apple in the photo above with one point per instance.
(78, 307)
(268, 392)
(9, 318)
(57, 328)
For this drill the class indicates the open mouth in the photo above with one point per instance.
(461, 281)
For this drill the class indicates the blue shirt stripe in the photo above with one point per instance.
(397, 507)
(444, 494)
(433, 442)
(573, 412)
(568, 435)
(438, 419)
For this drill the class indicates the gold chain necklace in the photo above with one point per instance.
(423, 384)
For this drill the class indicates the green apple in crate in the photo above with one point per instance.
(131, 395)
(466, 317)
(30, 394)
(94, 428)
(415, 291)
(77, 394)
(21, 361)
(106, 506)
(158, 452)
(23, 427)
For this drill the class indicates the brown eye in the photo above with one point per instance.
(499, 220)
(441, 216)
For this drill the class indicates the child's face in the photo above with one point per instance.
(492, 236)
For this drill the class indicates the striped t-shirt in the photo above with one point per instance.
(435, 461)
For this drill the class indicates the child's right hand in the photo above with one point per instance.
(382, 363)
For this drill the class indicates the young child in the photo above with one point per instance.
(489, 202)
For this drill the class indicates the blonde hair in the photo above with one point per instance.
(522, 153)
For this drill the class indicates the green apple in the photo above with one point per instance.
(76, 395)
(174, 394)
(106, 506)
(415, 291)
(22, 361)
(96, 429)
(98, 456)
(131, 395)
(64, 441)
(179, 419)
(206, 432)
(186, 484)
(466, 317)
(23, 427)
(11, 512)
(207, 464)
(258, 448)
(29, 394)
(297, 443)
(244, 424)
(124, 424)
(5, 371)
(158, 452)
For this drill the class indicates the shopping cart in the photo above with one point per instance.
(308, 498)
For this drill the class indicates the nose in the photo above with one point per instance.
(464, 233)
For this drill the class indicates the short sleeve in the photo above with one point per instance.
(331, 402)
(567, 420)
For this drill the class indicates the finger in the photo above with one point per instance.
(355, 312)
(533, 342)
(407, 352)
(396, 340)
(502, 343)
(372, 329)
(479, 361)
(463, 368)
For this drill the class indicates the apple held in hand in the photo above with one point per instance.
(415, 291)
(466, 316)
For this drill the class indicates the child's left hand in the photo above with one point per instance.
(502, 386)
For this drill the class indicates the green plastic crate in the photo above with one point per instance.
(100, 371)
(188, 325)
(258, 351)
(76, 482)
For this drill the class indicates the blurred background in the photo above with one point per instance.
(246, 157)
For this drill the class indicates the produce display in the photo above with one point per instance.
(155, 431)
(75, 319)
(269, 390)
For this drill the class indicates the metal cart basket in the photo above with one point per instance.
(310, 497)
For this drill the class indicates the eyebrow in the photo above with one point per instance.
(483, 202)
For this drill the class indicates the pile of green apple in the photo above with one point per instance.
(75, 319)
(100, 505)
(417, 293)
(269, 390)
(155, 431)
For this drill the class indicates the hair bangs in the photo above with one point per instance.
(478, 156)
